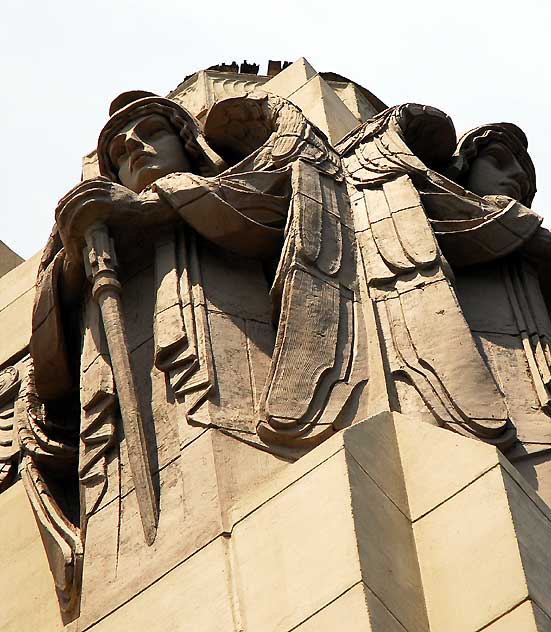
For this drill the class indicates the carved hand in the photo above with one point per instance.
(101, 200)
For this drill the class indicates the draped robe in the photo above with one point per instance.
(414, 227)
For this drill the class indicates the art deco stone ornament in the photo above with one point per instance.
(247, 329)
(413, 225)
(246, 276)
(506, 301)
(267, 240)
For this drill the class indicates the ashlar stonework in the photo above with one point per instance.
(287, 368)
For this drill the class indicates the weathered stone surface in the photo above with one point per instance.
(349, 612)
(8, 259)
(394, 578)
(177, 600)
(16, 301)
(526, 617)
(462, 593)
(291, 79)
(28, 596)
(277, 550)
(247, 329)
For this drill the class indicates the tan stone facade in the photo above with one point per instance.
(358, 535)
(299, 379)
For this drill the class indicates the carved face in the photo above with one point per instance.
(496, 171)
(146, 149)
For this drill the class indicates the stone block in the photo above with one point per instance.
(351, 95)
(272, 486)
(357, 610)
(525, 618)
(469, 557)
(532, 523)
(386, 546)
(19, 280)
(16, 307)
(297, 552)
(482, 535)
(29, 601)
(194, 596)
(291, 79)
(374, 445)
(324, 529)
(8, 259)
(437, 463)
(323, 107)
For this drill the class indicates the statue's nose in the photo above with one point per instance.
(133, 141)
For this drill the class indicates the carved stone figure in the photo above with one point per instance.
(506, 302)
(415, 227)
(250, 266)
(222, 294)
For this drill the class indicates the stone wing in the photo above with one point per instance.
(316, 378)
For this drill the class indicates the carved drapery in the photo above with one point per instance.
(310, 389)
(182, 341)
(402, 210)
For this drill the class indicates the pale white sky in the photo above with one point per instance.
(61, 63)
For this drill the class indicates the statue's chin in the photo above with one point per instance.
(145, 175)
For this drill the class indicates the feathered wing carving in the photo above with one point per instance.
(273, 150)
(263, 132)
(318, 368)
(62, 539)
(425, 340)
(313, 383)
(9, 383)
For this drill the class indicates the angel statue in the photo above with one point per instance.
(506, 300)
(417, 229)
(206, 280)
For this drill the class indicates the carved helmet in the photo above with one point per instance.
(507, 134)
(131, 105)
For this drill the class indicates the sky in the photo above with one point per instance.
(62, 62)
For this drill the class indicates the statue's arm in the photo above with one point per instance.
(244, 213)
(471, 233)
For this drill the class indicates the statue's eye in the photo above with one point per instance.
(153, 130)
(498, 154)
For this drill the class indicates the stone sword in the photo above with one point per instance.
(100, 263)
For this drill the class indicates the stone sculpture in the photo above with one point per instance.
(245, 275)
(268, 240)
(414, 228)
(506, 302)
(220, 296)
